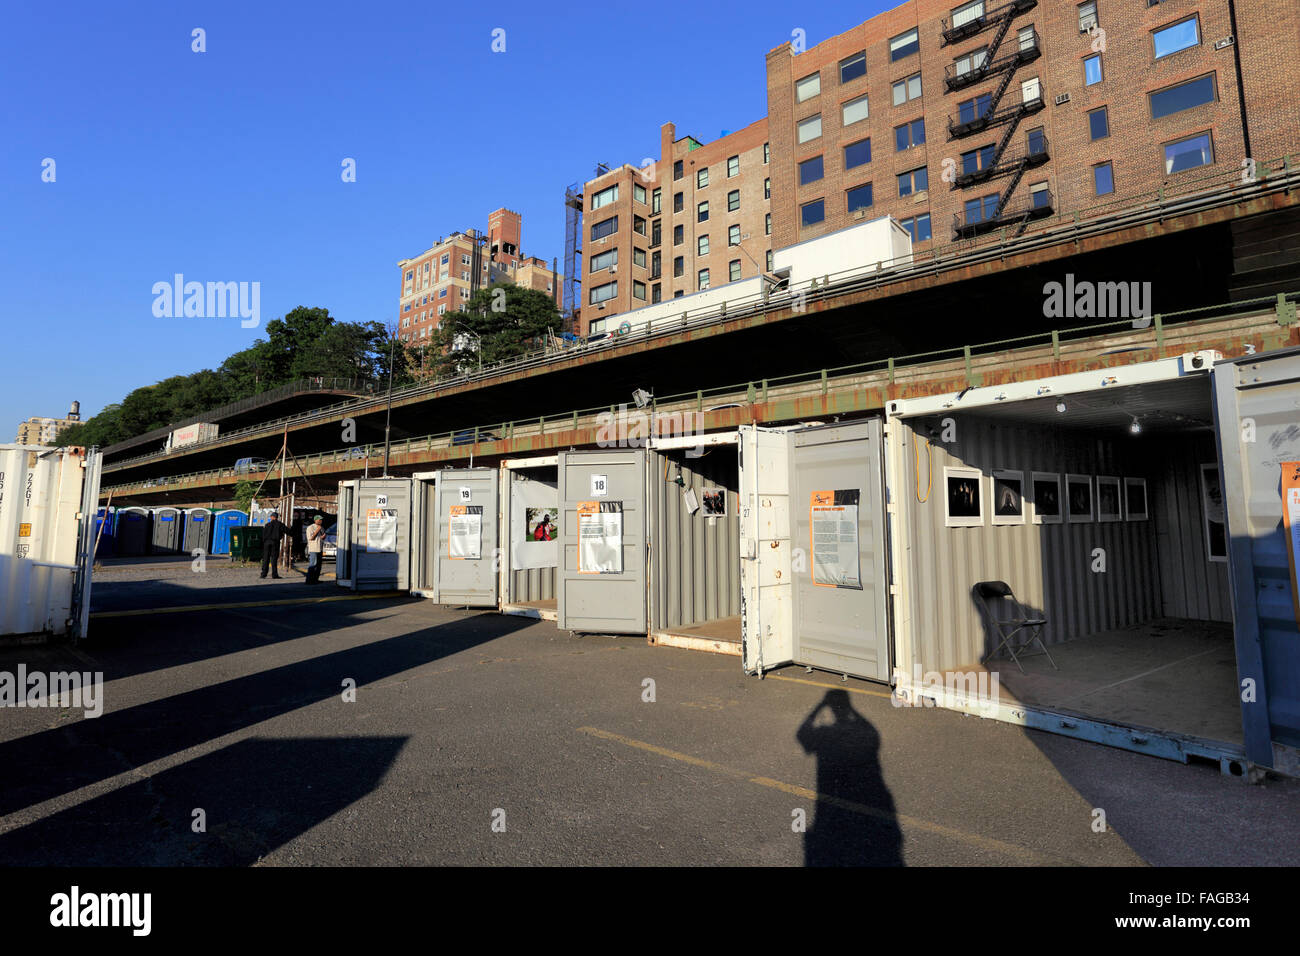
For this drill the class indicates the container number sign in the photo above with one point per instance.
(465, 495)
(381, 501)
(599, 486)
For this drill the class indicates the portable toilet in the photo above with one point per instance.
(104, 531)
(167, 530)
(198, 530)
(132, 532)
(222, 523)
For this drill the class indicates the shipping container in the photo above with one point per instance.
(455, 536)
(1257, 416)
(168, 531)
(223, 522)
(191, 435)
(197, 535)
(530, 555)
(133, 529)
(374, 537)
(47, 522)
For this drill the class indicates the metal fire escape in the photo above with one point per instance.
(573, 201)
(987, 115)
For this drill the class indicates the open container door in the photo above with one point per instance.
(424, 534)
(467, 510)
(602, 580)
(767, 608)
(1257, 406)
(343, 537)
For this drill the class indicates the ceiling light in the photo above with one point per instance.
(1060, 407)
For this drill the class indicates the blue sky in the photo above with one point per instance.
(225, 165)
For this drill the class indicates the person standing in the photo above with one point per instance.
(273, 532)
(315, 538)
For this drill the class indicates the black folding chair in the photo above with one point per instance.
(1004, 629)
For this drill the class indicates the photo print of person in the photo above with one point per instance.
(713, 502)
(1047, 498)
(1008, 497)
(964, 504)
(540, 523)
(1108, 499)
(1078, 498)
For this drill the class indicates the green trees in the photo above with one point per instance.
(505, 319)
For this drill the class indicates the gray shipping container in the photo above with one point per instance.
(529, 492)
(374, 536)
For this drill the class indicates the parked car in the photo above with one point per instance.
(329, 547)
(246, 465)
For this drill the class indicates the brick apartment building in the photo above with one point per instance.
(696, 218)
(959, 119)
(442, 278)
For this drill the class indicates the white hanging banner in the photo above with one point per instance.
(534, 524)
(600, 537)
(381, 529)
(465, 533)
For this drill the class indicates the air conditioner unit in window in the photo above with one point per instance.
(859, 213)
(613, 269)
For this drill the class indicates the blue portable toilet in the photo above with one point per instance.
(167, 526)
(197, 533)
(222, 522)
(132, 532)
(104, 531)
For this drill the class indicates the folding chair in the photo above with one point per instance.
(1006, 629)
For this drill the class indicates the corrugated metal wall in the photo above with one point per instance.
(696, 560)
(1049, 567)
(532, 584)
(1191, 585)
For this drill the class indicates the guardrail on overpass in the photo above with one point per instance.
(1185, 197)
(1263, 323)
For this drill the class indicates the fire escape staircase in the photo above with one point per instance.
(970, 28)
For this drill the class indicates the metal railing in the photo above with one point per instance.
(1183, 197)
(818, 381)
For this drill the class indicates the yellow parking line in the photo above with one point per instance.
(223, 607)
(902, 819)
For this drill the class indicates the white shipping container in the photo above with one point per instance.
(851, 253)
(192, 434)
(47, 520)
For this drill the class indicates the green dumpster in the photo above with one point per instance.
(246, 543)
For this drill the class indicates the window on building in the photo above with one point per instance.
(1087, 16)
(656, 232)
(679, 233)
(913, 181)
(442, 293)
(606, 227)
(702, 212)
(978, 210)
(604, 197)
(465, 260)
(703, 279)
(810, 128)
(604, 260)
(903, 45)
(968, 110)
(1027, 38)
(446, 258)
(679, 201)
(808, 87)
(1036, 141)
(810, 170)
(677, 170)
(1092, 70)
(733, 270)
(907, 89)
(767, 189)
(854, 111)
(767, 153)
(859, 197)
(702, 177)
(442, 310)
(679, 267)
(656, 293)
(1098, 124)
(812, 213)
(767, 224)
(656, 265)
(733, 200)
(733, 166)
(852, 67)
(909, 135)
(702, 245)
(769, 260)
(1188, 153)
(409, 275)
(733, 235)
(1184, 96)
(1040, 197)
(638, 257)
(638, 290)
(638, 225)
(1103, 179)
(638, 193)
(656, 201)
(603, 293)
(977, 159)
(968, 62)
(1176, 36)
(1030, 90)
(857, 154)
(918, 226)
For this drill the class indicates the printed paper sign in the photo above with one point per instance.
(833, 537)
(1291, 525)
(599, 486)
(465, 532)
(381, 529)
(600, 537)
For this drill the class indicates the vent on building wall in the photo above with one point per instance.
(1063, 98)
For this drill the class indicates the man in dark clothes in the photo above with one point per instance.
(273, 532)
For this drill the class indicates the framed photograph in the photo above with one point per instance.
(1216, 528)
(1008, 496)
(1078, 498)
(1108, 504)
(963, 501)
(714, 502)
(1135, 499)
(1046, 498)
